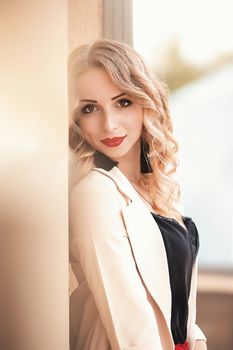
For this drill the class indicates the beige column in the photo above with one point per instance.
(85, 21)
(33, 176)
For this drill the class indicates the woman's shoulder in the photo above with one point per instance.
(93, 180)
(95, 186)
(193, 232)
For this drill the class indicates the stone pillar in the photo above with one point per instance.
(84, 22)
(33, 176)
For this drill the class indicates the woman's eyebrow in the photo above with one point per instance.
(113, 98)
(94, 101)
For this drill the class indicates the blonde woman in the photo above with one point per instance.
(134, 255)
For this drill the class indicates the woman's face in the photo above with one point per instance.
(106, 112)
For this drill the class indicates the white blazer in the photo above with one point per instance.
(123, 301)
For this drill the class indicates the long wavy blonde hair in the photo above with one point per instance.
(128, 72)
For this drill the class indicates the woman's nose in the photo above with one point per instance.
(109, 121)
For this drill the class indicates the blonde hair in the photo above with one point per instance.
(128, 72)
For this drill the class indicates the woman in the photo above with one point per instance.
(133, 253)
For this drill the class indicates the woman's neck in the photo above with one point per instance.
(130, 164)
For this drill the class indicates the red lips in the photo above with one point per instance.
(115, 141)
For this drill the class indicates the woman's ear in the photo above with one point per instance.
(72, 136)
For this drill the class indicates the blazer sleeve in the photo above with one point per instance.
(198, 334)
(99, 241)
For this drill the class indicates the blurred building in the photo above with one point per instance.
(202, 113)
(215, 308)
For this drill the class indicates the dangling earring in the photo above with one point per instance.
(145, 163)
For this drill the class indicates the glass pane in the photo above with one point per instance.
(189, 45)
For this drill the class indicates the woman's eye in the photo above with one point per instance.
(124, 102)
(88, 109)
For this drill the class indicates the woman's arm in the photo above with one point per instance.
(99, 241)
(200, 339)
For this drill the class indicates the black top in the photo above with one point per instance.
(181, 249)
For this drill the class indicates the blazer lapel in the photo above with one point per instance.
(146, 242)
(148, 247)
